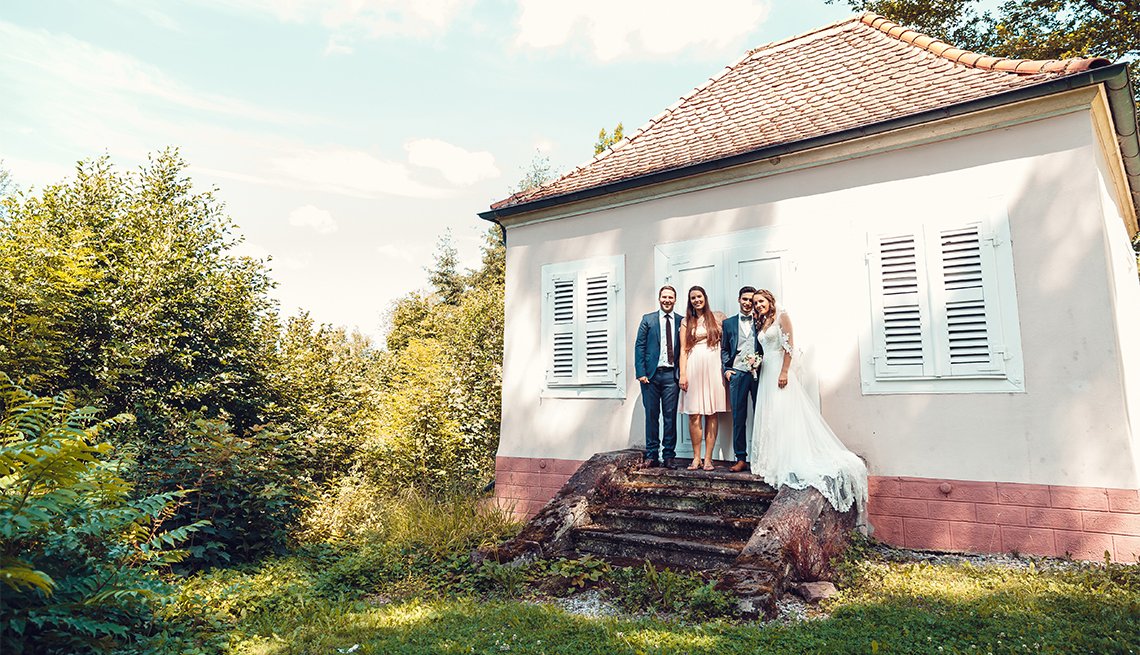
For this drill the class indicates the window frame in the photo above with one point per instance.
(935, 370)
(579, 350)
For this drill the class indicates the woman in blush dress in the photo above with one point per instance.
(791, 443)
(702, 385)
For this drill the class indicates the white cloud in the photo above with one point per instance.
(622, 28)
(28, 173)
(401, 251)
(252, 250)
(338, 45)
(458, 166)
(353, 173)
(151, 12)
(374, 18)
(319, 220)
(297, 262)
(73, 69)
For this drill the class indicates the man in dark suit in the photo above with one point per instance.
(655, 362)
(738, 341)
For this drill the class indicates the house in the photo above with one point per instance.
(950, 234)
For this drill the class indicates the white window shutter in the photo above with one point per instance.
(598, 324)
(901, 330)
(564, 321)
(968, 333)
(583, 327)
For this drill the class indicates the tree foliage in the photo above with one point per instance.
(605, 140)
(79, 556)
(122, 289)
(1030, 29)
(444, 275)
(538, 172)
(441, 403)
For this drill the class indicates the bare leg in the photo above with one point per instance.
(712, 422)
(695, 437)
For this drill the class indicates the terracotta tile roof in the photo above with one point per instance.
(850, 74)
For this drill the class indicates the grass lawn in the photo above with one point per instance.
(886, 605)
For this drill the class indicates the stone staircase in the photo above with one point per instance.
(756, 539)
(676, 518)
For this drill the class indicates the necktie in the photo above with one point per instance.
(669, 338)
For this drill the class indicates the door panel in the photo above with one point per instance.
(705, 270)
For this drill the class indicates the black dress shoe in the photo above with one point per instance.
(650, 464)
(670, 463)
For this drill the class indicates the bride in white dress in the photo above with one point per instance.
(791, 443)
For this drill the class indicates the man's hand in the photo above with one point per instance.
(728, 374)
(643, 380)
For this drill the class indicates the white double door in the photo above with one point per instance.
(722, 265)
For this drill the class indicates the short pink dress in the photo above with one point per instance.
(706, 394)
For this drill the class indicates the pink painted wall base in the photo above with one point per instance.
(1000, 517)
(929, 514)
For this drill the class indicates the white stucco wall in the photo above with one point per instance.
(1070, 427)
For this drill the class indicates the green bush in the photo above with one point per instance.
(242, 485)
(80, 559)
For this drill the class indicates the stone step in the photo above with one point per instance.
(663, 551)
(673, 523)
(721, 478)
(735, 503)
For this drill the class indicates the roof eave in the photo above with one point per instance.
(1114, 76)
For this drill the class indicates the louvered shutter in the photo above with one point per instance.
(562, 301)
(582, 322)
(598, 291)
(965, 300)
(901, 330)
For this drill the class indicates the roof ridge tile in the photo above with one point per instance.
(957, 55)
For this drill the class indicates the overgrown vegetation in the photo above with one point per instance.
(395, 598)
(237, 435)
(80, 556)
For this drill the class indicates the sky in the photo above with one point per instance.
(345, 137)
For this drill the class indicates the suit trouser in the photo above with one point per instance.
(659, 396)
(741, 386)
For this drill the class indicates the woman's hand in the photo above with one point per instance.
(684, 383)
(783, 380)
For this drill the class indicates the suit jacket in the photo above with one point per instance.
(647, 349)
(730, 334)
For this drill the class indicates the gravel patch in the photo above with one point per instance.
(590, 603)
(1005, 560)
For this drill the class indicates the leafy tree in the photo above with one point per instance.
(328, 386)
(122, 287)
(1030, 29)
(80, 559)
(444, 274)
(539, 172)
(441, 400)
(606, 140)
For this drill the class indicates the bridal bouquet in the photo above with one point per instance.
(752, 361)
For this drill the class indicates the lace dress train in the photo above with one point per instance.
(792, 445)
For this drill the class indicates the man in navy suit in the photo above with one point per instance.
(738, 341)
(655, 362)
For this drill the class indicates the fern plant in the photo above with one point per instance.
(79, 558)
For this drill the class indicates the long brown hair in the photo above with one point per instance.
(711, 326)
(762, 319)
